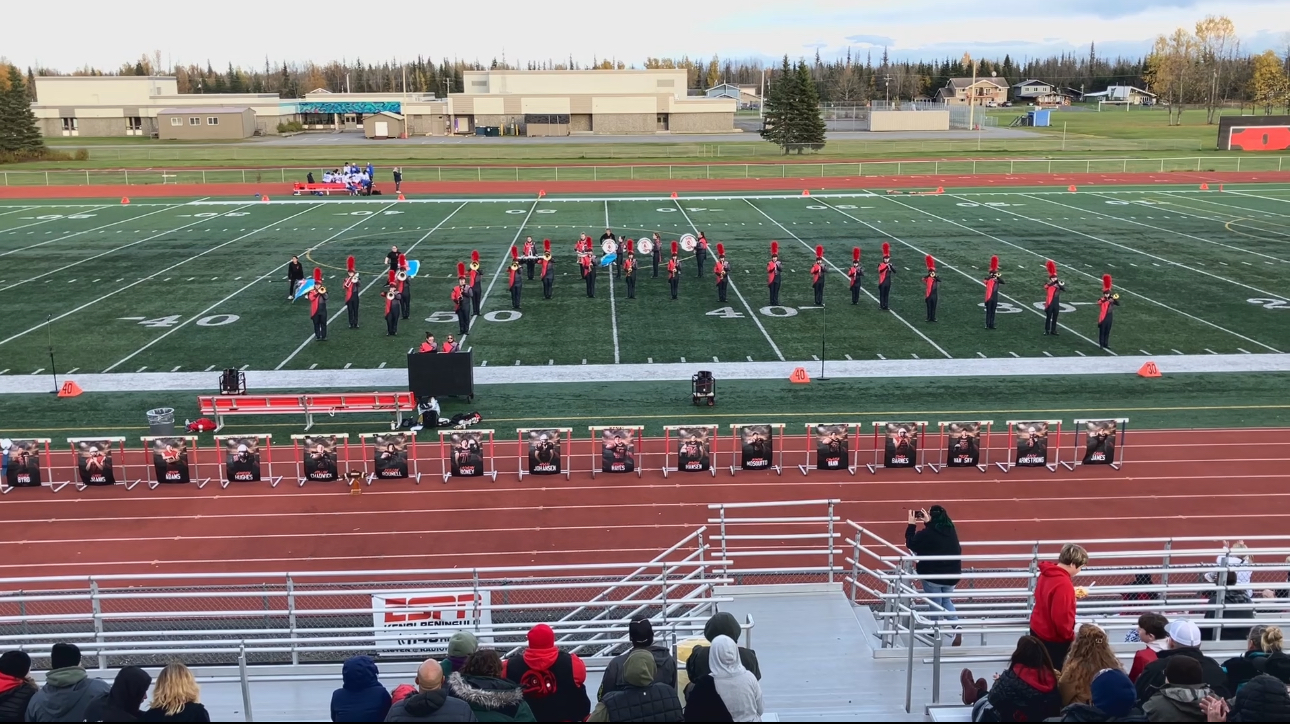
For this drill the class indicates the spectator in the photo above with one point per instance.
(1179, 699)
(68, 690)
(1113, 700)
(554, 682)
(721, 624)
(1025, 691)
(1089, 656)
(1184, 642)
(1052, 621)
(398, 178)
(1241, 669)
(309, 178)
(937, 538)
(1151, 632)
(1231, 597)
(175, 697)
(431, 702)
(361, 698)
(460, 647)
(642, 697)
(1237, 560)
(123, 702)
(1263, 698)
(401, 692)
(371, 170)
(1277, 664)
(729, 692)
(16, 686)
(1141, 579)
(641, 634)
(479, 683)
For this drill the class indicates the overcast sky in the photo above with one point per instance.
(106, 34)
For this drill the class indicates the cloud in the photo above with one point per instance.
(815, 46)
(874, 40)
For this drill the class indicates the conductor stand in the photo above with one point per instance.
(824, 330)
(704, 388)
(49, 335)
(232, 382)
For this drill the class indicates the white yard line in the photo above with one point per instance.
(506, 257)
(17, 210)
(1245, 215)
(45, 221)
(613, 305)
(78, 233)
(158, 273)
(363, 291)
(903, 321)
(250, 284)
(751, 314)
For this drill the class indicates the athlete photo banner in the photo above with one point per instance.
(693, 446)
(466, 454)
(22, 462)
(756, 446)
(618, 449)
(1102, 442)
(170, 458)
(962, 444)
(94, 461)
(318, 457)
(1031, 441)
(543, 450)
(242, 458)
(832, 446)
(389, 454)
(900, 446)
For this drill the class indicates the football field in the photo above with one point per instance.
(190, 286)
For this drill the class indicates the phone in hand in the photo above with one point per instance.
(920, 515)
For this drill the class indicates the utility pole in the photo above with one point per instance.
(887, 87)
(967, 60)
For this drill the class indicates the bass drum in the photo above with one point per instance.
(609, 246)
(645, 246)
(688, 242)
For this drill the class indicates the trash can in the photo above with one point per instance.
(161, 422)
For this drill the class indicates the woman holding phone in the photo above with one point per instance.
(938, 577)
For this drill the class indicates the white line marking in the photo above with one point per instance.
(243, 368)
(517, 363)
(1047, 353)
(1143, 351)
(845, 355)
(485, 363)
(506, 257)
(814, 357)
(650, 360)
(313, 366)
(1180, 233)
(46, 221)
(176, 369)
(1242, 351)
(682, 361)
(584, 360)
(347, 365)
(142, 368)
(747, 357)
(381, 366)
(613, 305)
(549, 362)
(1175, 351)
(1014, 354)
(1081, 354)
(38, 371)
(1207, 349)
(208, 369)
(68, 371)
(881, 357)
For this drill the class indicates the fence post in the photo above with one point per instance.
(830, 527)
(909, 660)
(1220, 596)
(291, 618)
(1164, 577)
(936, 661)
(246, 684)
(855, 565)
(475, 614)
(127, 176)
(663, 586)
(96, 606)
(703, 566)
(1034, 569)
(725, 567)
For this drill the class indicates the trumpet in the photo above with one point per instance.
(401, 276)
(349, 280)
(320, 289)
(390, 295)
(1115, 296)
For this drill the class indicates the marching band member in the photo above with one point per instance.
(885, 271)
(393, 306)
(295, 275)
(673, 271)
(548, 270)
(701, 252)
(993, 281)
(817, 276)
(588, 264)
(476, 283)
(351, 292)
(449, 345)
(428, 346)
(629, 270)
(530, 255)
(933, 282)
(722, 271)
(405, 286)
(656, 253)
(774, 273)
(1052, 298)
(582, 245)
(392, 259)
(1106, 313)
(318, 306)
(856, 273)
(461, 295)
(517, 279)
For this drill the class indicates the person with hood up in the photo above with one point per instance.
(642, 697)
(362, 697)
(729, 693)
(1151, 632)
(937, 538)
(68, 690)
(1025, 691)
(431, 701)
(1052, 620)
(721, 624)
(1090, 655)
(1113, 700)
(479, 683)
(16, 686)
(460, 647)
(1184, 642)
(554, 682)
(1264, 698)
(641, 634)
(123, 703)
(1241, 669)
(1179, 699)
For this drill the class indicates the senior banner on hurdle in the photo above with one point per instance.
(393, 455)
(541, 451)
(319, 457)
(96, 465)
(246, 459)
(617, 445)
(1103, 443)
(467, 456)
(901, 446)
(1028, 445)
(22, 464)
(757, 448)
(695, 449)
(831, 444)
(171, 460)
(960, 443)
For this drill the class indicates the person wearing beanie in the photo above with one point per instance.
(1184, 642)
(721, 624)
(642, 697)
(68, 690)
(554, 682)
(1179, 699)
(1113, 700)
(361, 697)
(460, 647)
(16, 687)
(641, 634)
(123, 702)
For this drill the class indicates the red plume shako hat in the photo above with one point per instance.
(1106, 283)
(461, 269)
(318, 275)
(389, 277)
(886, 250)
(774, 248)
(1052, 267)
(349, 265)
(629, 246)
(994, 264)
(931, 263)
(855, 255)
(403, 261)
(674, 248)
(515, 254)
(721, 249)
(546, 246)
(819, 252)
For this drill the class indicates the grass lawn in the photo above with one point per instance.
(1136, 123)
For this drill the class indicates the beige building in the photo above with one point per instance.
(205, 124)
(983, 91)
(383, 125)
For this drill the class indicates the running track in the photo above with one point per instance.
(1221, 483)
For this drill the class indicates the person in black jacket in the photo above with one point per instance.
(1184, 640)
(937, 538)
(16, 688)
(1263, 698)
(722, 623)
(122, 703)
(641, 633)
(1241, 669)
(1025, 691)
(295, 275)
(1235, 602)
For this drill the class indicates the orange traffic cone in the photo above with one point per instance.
(69, 389)
(1204, 187)
(799, 376)
(1071, 188)
(1149, 370)
(673, 194)
(940, 189)
(806, 192)
(265, 198)
(541, 193)
(401, 196)
(125, 200)
(1220, 187)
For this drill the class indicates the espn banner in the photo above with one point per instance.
(832, 445)
(693, 446)
(421, 622)
(170, 458)
(1030, 443)
(94, 463)
(391, 452)
(1100, 442)
(318, 457)
(617, 448)
(757, 445)
(962, 443)
(241, 455)
(543, 450)
(22, 462)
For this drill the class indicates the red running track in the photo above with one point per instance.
(1221, 483)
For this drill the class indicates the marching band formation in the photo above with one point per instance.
(467, 295)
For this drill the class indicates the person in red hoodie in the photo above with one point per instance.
(1053, 619)
(1151, 632)
(1025, 691)
(554, 682)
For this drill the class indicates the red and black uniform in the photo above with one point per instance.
(629, 274)
(931, 294)
(530, 256)
(774, 273)
(1105, 315)
(588, 265)
(461, 295)
(992, 283)
(886, 270)
(428, 347)
(516, 284)
(656, 254)
(1052, 299)
(393, 307)
(548, 276)
(448, 346)
(817, 276)
(723, 277)
(701, 252)
(318, 313)
(352, 291)
(673, 274)
(856, 275)
(476, 283)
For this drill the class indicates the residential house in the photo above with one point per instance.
(1039, 93)
(1122, 93)
(984, 92)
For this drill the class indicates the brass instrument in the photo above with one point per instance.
(349, 280)
(401, 276)
(390, 295)
(321, 289)
(1115, 296)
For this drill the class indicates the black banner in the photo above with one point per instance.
(693, 449)
(757, 447)
(390, 455)
(23, 469)
(901, 448)
(170, 458)
(94, 462)
(467, 455)
(831, 445)
(963, 441)
(619, 454)
(320, 457)
(1099, 442)
(544, 452)
(242, 459)
(1032, 443)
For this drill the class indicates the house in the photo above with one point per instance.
(745, 94)
(1123, 93)
(983, 92)
(1039, 93)
(198, 123)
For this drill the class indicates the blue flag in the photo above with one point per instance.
(608, 259)
(413, 267)
(305, 287)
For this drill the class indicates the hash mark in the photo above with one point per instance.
(1143, 351)
(68, 371)
(243, 368)
(176, 369)
(208, 369)
(881, 357)
(381, 366)
(682, 361)
(1175, 351)
(347, 364)
(749, 358)
(142, 368)
(650, 360)
(845, 355)
(1014, 354)
(1081, 354)
(517, 363)
(1207, 349)
(1242, 351)
(484, 363)
(1047, 354)
(313, 366)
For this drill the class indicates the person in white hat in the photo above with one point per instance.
(1184, 640)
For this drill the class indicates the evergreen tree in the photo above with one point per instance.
(778, 106)
(19, 133)
(806, 126)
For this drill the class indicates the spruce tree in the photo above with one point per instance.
(778, 102)
(807, 126)
(19, 133)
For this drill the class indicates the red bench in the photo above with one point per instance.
(298, 188)
(221, 406)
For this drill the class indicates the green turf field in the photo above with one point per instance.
(191, 287)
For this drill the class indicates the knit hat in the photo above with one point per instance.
(1183, 671)
(16, 664)
(1113, 693)
(641, 632)
(462, 644)
(541, 637)
(1183, 633)
(61, 656)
